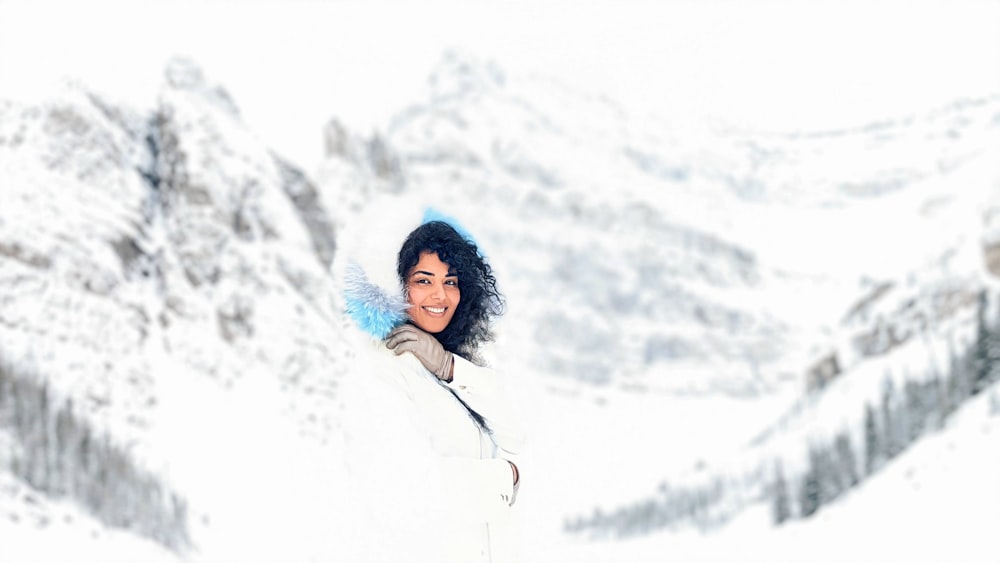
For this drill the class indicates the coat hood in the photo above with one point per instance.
(373, 297)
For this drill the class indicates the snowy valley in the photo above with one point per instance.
(729, 345)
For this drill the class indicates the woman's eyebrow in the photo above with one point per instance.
(450, 274)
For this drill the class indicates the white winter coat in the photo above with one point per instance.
(427, 483)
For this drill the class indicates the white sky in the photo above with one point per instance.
(292, 65)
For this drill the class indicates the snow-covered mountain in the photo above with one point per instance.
(818, 273)
(687, 304)
(730, 254)
(147, 257)
(606, 222)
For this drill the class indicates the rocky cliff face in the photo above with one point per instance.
(676, 256)
(178, 230)
(610, 281)
(247, 242)
(136, 245)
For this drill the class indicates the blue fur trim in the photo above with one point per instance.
(374, 311)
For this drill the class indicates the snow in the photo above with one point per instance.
(933, 503)
(750, 110)
(37, 530)
(261, 491)
(771, 64)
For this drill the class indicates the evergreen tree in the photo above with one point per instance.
(980, 353)
(809, 495)
(890, 439)
(3, 394)
(989, 332)
(873, 442)
(935, 400)
(831, 485)
(952, 386)
(846, 461)
(66, 439)
(914, 407)
(810, 489)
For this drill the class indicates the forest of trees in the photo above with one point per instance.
(56, 451)
(834, 466)
(900, 418)
(701, 506)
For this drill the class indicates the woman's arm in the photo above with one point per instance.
(480, 388)
(396, 471)
(489, 394)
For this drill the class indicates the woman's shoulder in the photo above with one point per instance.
(379, 372)
(374, 389)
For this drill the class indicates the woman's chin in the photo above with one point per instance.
(430, 326)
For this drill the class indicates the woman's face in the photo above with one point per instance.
(432, 290)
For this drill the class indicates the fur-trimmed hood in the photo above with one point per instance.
(372, 294)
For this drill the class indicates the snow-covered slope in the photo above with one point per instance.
(686, 304)
(671, 255)
(931, 504)
(613, 238)
(800, 269)
(139, 250)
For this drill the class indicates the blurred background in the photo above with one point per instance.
(751, 254)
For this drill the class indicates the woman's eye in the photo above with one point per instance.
(451, 282)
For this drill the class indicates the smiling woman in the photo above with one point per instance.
(432, 445)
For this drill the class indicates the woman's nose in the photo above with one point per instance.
(438, 292)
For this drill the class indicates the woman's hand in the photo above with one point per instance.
(427, 349)
(517, 482)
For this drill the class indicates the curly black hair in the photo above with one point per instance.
(480, 301)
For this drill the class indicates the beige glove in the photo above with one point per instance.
(408, 338)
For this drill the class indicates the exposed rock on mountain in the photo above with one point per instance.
(612, 281)
(137, 244)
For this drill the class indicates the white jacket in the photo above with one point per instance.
(427, 483)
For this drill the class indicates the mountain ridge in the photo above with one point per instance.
(150, 253)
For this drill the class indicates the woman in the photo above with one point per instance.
(430, 441)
